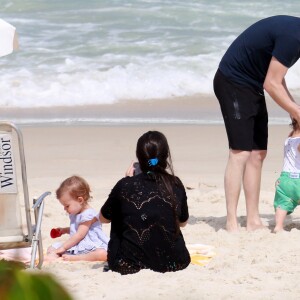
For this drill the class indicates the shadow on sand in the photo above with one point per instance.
(218, 223)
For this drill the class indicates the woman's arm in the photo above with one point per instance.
(182, 224)
(110, 206)
(83, 229)
(183, 216)
(102, 219)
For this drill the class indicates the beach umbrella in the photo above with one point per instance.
(8, 38)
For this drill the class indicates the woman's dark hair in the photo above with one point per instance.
(154, 145)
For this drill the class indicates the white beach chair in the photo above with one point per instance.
(14, 233)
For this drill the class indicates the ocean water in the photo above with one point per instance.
(91, 52)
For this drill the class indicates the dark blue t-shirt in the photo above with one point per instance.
(247, 59)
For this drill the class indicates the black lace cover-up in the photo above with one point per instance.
(143, 232)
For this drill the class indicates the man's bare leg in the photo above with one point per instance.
(233, 180)
(251, 182)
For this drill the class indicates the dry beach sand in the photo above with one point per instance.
(248, 265)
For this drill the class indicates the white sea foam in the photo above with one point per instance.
(127, 121)
(74, 84)
(156, 80)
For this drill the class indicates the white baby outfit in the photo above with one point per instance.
(95, 237)
(291, 162)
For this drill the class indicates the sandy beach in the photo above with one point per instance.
(90, 78)
(256, 265)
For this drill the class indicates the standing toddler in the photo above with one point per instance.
(287, 196)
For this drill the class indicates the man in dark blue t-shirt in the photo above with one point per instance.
(258, 59)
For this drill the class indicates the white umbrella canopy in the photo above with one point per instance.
(8, 38)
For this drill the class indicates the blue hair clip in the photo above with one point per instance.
(152, 162)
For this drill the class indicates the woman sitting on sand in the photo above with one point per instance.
(146, 212)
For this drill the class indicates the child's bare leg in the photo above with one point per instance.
(51, 254)
(97, 255)
(279, 218)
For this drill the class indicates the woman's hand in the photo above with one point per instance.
(130, 170)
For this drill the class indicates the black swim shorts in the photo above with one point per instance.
(245, 114)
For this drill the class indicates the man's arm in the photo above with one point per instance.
(288, 92)
(276, 87)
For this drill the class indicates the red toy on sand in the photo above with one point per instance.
(55, 232)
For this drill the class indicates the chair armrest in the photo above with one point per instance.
(39, 201)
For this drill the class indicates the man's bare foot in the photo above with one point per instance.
(232, 227)
(254, 227)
